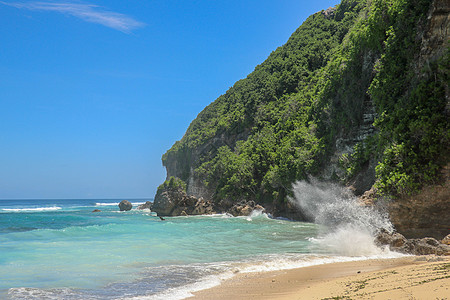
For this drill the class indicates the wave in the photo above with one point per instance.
(214, 274)
(348, 228)
(186, 291)
(106, 204)
(35, 209)
(116, 203)
(36, 293)
(265, 263)
(295, 261)
(254, 215)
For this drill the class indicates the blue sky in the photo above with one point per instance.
(93, 93)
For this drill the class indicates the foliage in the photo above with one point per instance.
(280, 124)
(416, 135)
(362, 152)
(173, 183)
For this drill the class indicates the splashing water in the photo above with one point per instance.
(348, 228)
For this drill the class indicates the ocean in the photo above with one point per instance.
(60, 249)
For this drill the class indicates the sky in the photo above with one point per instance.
(93, 93)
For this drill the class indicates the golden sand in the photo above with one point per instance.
(401, 278)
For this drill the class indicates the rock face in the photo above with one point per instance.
(175, 202)
(436, 36)
(427, 214)
(146, 205)
(184, 167)
(398, 243)
(125, 205)
(424, 214)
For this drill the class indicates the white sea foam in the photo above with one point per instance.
(106, 204)
(34, 209)
(265, 263)
(286, 262)
(257, 213)
(348, 228)
(187, 291)
(116, 203)
(35, 293)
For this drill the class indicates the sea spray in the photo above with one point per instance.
(347, 227)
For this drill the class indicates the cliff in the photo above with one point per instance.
(358, 94)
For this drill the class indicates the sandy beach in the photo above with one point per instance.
(412, 277)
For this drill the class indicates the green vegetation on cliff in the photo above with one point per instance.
(281, 123)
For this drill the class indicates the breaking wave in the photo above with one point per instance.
(35, 209)
(347, 227)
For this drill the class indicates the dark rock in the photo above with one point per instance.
(425, 213)
(393, 240)
(203, 207)
(424, 246)
(175, 202)
(166, 201)
(429, 245)
(96, 210)
(125, 205)
(225, 205)
(287, 210)
(146, 205)
(245, 208)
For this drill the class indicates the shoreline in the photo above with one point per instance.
(410, 277)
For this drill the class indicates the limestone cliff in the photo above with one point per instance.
(358, 94)
(427, 213)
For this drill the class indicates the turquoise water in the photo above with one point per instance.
(60, 249)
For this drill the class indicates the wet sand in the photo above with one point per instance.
(412, 277)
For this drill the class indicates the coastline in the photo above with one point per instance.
(410, 277)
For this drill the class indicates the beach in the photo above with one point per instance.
(411, 277)
(115, 254)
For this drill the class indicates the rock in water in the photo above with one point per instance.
(146, 205)
(96, 210)
(125, 205)
(245, 208)
(175, 202)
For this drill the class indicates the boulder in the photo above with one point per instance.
(391, 239)
(125, 205)
(175, 202)
(398, 243)
(166, 201)
(245, 208)
(429, 245)
(446, 240)
(146, 205)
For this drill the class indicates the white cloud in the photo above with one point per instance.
(87, 12)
